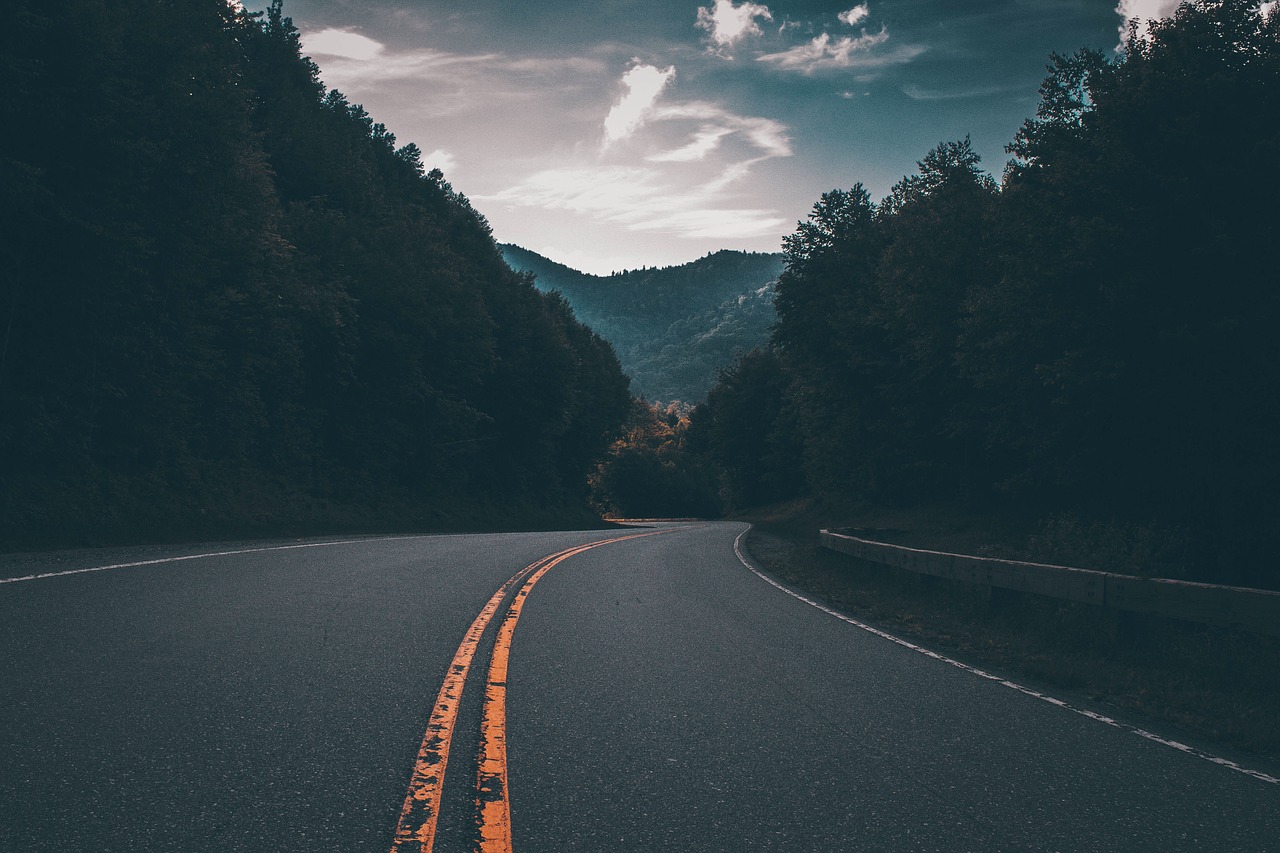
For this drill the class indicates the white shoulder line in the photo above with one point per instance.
(1181, 747)
(192, 557)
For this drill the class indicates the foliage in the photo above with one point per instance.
(673, 327)
(1094, 338)
(225, 289)
(745, 429)
(650, 472)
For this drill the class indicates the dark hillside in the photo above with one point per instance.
(230, 303)
(673, 327)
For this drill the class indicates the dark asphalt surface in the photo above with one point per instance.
(661, 697)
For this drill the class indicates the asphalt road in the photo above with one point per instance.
(660, 696)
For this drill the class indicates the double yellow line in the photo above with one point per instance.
(416, 829)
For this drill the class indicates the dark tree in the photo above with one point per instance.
(231, 302)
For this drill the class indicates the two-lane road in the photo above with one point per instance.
(654, 694)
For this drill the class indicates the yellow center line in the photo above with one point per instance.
(416, 827)
(493, 804)
(421, 809)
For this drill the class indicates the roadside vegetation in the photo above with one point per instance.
(1089, 341)
(230, 304)
(1076, 364)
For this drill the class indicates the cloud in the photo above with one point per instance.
(765, 134)
(728, 24)
(345, 43)
(687, 189)
(731, 174)
(638, 199)
(350, 72)
(706, 141)
(856, 14)
(1143, 10)
(440, 159)
(718, 224)
(823, 53)
(552, 65)
(917, 93)
(644, 83)
(444, 83)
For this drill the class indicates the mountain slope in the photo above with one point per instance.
(229, 304)
(673, 327)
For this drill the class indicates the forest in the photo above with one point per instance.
(231, 304)
(1091, 339)
(672, 327)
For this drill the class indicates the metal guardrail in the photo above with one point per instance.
(1255, 610)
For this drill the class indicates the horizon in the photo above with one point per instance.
(652, 139)
(649, 268)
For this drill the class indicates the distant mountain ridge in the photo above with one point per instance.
(672, 327)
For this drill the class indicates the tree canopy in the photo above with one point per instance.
(1094, 334)
(229, 299)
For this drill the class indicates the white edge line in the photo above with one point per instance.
(1181, 747)
(196, 557)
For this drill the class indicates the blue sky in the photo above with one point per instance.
(625, 133)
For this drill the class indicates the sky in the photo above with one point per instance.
(620, 134)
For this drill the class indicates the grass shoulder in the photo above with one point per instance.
(1203, 683)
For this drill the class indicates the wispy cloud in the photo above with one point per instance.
(730, 175)
(345, 43)
(727, 24)
(686, 191)
(765, 134)
(917, 93)
(639, 199)
(825, 53)
(703, 143)
(450, 82)
(644, 84)
(547, 65)
(349, 72)
(718, 224)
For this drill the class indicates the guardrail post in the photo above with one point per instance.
(1254, 610)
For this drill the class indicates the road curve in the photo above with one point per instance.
(655, 695)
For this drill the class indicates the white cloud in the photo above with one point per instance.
(345, 72)
(439, 159)
(706, 141)
(856, 14)
(1144, 11)
(445, 83)
(766, 134)
(718, 224)
(644, 83)
(644, 199)
(345, 43)
(1268, 8)
(690, 189)
(616, 193)
(731, 174)
(728, 24)
(824, 53)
